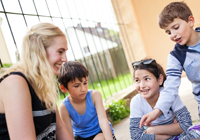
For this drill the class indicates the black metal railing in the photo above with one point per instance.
(1, 64)
(102, 54)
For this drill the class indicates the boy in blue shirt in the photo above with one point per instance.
(178, 22)
(82, 111)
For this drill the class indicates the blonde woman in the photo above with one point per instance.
(28, 89)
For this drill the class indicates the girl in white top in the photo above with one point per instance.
(149, 77)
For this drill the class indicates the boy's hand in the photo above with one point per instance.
(148, 118)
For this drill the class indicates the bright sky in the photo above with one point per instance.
(86, 12)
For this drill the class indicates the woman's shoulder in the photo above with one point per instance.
(13, 79)
(14, 88)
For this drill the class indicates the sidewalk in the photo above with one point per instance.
(121, 130)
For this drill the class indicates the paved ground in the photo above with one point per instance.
(121, 130)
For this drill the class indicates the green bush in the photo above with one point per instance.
(118, 110)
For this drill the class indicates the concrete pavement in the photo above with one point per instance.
(121, 130)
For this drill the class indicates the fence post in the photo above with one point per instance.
(1, 63)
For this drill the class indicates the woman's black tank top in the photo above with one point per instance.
(44, 120)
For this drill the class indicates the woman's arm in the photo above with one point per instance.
(61, 131)
(66, 119)
(103, 121)
(16, 99)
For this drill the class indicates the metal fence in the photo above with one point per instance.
(1, 64)
(92, 33)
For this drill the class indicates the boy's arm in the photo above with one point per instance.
(66, 119)
(103, 121)
(149, 117)
(61, 131)
(171, 84)
(169, 93)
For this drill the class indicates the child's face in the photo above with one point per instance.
(78, 89)
(56, 53)
(146, 84)
(180, 31)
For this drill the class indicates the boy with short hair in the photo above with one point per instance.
(178, 22)
(82, 111)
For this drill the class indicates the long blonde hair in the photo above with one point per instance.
(35, 65)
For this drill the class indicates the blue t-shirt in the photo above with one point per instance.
(87, 124)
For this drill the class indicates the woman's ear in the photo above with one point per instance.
(62, 88)
(160, 79)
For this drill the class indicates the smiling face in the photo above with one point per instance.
(181, 31)
(147, 85)
(56, 53)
